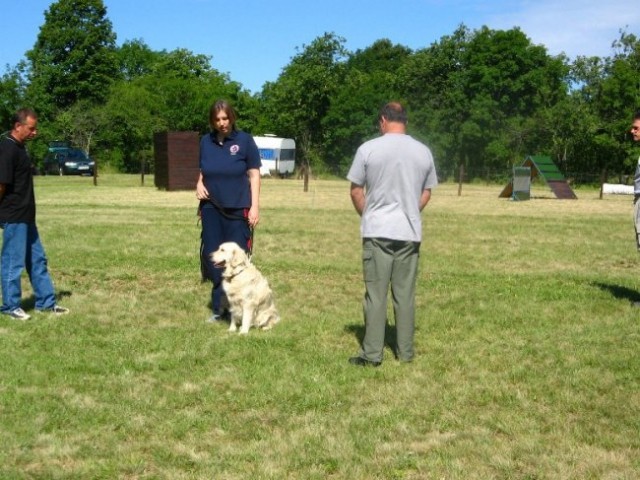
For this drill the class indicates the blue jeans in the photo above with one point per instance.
(22, 249)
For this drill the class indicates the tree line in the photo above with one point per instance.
(481, 99)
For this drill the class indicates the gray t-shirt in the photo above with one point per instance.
(394, 169)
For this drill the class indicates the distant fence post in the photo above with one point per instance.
(603, 180)
(460, 177)
(142, 172)
(305, 174)
(95, 172)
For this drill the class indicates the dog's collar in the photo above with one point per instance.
(235, 273)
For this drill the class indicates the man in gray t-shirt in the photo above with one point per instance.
(391, 181)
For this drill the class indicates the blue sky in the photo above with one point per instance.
(252, 40)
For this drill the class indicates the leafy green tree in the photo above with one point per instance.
(511, 81)
(431, 80)
(185, 85)
(575, 122)
(135, 59)
(73, 58)
(132, 114)
(296, 103)
(479, 94)
(381, 56)
(81, 124)
(369, 82)
(165, 91)
(11, 96)
(182, 63)
(617, 96)
(590, 129)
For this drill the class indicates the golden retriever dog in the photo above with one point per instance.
(250, 299)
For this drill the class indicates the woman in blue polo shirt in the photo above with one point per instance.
(228, 189)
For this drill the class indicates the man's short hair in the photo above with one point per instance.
(393, 112)
(636, 116)
(21, 116)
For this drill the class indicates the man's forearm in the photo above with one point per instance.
(424, 199)
(357, 197)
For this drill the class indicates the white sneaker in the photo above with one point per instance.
(19, 314)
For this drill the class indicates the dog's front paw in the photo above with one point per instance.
(244, 331)
(232, 327)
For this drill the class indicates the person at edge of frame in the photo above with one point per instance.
(391, 180)
(635, 135)
(228, 189)
(21, 245)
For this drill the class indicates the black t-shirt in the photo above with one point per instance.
(18, 204)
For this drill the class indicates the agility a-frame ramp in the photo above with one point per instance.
(542, 166)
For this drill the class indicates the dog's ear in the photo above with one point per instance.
(238, 257)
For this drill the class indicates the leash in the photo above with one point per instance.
(225, 213)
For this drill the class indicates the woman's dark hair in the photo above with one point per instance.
(393, 112)
(222, 105)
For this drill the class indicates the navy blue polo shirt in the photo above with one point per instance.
(224, 168)
(18, 205)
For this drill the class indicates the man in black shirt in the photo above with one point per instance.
(21, 246)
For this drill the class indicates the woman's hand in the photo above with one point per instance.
(201, 191)
(254, 185)
(253, 217)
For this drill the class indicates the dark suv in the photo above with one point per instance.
(67, 161)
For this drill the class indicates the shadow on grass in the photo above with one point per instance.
(389, 335)
(30, 302)
(620, 292)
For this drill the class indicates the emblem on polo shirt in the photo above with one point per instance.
(234, 149)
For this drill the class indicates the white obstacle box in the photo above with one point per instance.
(617, 189)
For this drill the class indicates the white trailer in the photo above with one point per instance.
(278, 155)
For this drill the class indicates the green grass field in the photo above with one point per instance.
(527, 345)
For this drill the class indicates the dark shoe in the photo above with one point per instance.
(363, 362)
(219, 317)
(56, 310)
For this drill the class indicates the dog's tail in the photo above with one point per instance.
(269, 318)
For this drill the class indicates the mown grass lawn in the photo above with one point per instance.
(527, 344)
